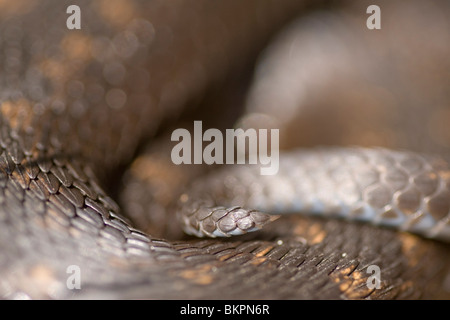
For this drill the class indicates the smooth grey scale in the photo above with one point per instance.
(223, 222)
(331, 186)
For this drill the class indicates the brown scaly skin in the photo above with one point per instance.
(75, 106)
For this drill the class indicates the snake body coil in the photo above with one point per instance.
(76, 106)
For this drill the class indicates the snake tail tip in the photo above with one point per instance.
(261, 218)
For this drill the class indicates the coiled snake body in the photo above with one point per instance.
(76, 108)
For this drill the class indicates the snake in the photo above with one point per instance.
(87, 183)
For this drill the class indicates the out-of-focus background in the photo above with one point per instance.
(325, 79)
(103, 101)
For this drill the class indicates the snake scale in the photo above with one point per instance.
(84, 112)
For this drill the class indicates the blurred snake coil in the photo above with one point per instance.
(86, 178)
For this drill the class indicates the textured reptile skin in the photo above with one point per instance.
(75, 108)
(397, 189)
